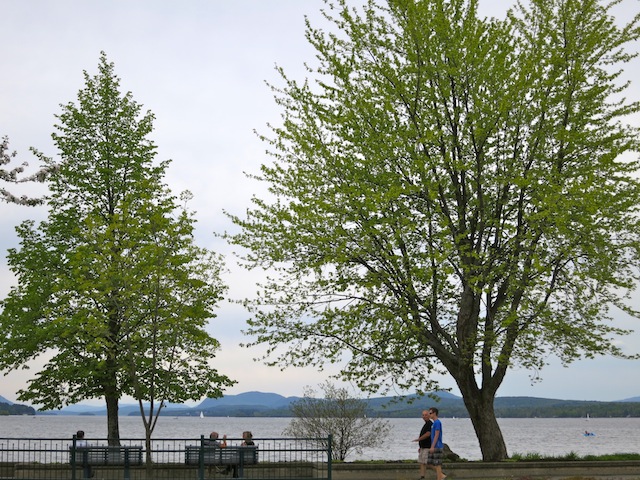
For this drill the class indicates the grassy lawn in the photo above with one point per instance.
(573, 456)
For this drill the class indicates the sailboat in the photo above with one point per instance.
(201, 415)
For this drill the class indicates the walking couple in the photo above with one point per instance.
(431, 446)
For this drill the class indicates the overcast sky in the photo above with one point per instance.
(200, 66)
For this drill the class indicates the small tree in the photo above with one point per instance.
(337, 414)
(168, 358)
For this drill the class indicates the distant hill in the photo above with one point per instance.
(632, 399)
(249, 404)
(81, 409)
(123, 410)
(267, 400)
(16, 409)
(9, 408)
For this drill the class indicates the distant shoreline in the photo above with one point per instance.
(272, 405)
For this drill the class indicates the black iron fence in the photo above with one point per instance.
(189, 459)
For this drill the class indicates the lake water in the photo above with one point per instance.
(544, 436)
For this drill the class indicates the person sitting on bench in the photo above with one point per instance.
(214, 442)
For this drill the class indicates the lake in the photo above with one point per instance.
(544, 436)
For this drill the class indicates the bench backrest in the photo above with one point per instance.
(106, 455)
(221, 456)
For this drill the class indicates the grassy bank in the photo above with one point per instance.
(534, 457)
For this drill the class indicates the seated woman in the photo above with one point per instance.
(247, 439)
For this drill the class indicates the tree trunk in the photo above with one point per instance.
(483, 417)
(147, 446)
(148, 464)
(113, 426)
(478, 399)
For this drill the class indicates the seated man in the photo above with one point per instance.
(214, 442)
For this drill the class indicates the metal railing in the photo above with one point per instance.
(61, 458)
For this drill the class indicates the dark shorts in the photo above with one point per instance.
(435, 457)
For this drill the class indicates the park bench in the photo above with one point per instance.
(105, 455)
(213, 456)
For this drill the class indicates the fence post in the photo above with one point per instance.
(73, 457)
(201, 459)
(240, 471)
(329, 456)
(127, 473)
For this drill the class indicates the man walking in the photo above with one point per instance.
(436, 451)
(424, 443)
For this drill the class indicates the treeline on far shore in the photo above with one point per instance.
(447, 410)
(506, 407)
(527, 407)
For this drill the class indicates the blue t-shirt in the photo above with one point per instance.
(437, 427)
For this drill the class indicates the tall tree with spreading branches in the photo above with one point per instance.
(112, 291)
(452, 195)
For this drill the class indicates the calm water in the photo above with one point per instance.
(545, 436)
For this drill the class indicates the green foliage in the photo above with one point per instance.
(337, 414)
(112, 292)
(450, 195)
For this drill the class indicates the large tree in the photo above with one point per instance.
(111, 290)
(451, 194)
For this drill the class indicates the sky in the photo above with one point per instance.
(201, 67)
